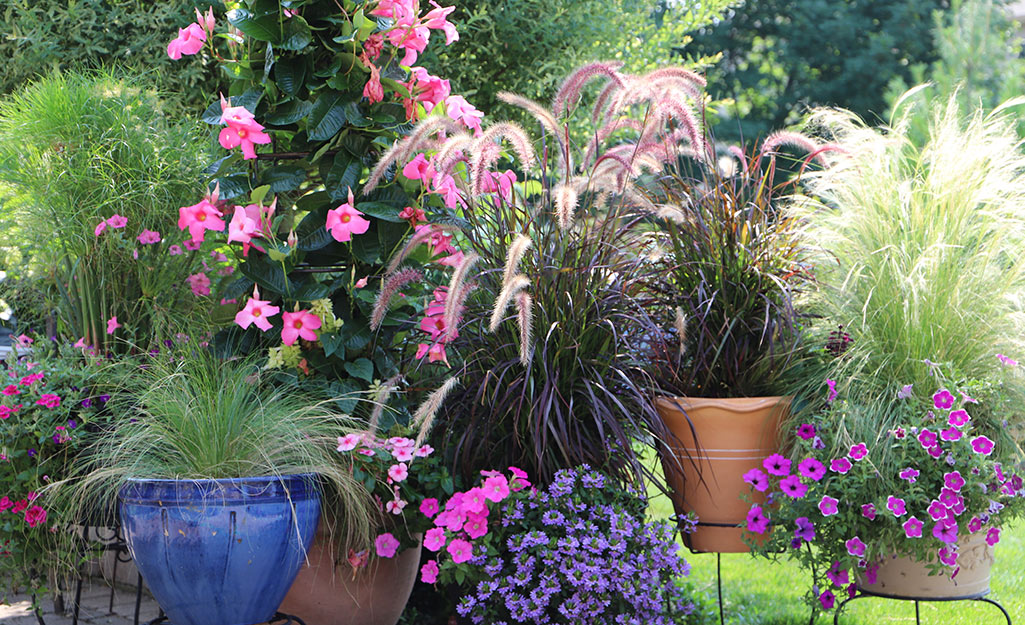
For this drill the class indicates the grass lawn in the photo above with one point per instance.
(760, 592)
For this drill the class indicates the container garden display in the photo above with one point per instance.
(731, 270)
(219, 481)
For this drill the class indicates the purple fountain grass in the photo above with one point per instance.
(380, 401)
(423, 418)
(416, 141)
(565, 204)
(457, 294)
(418, 237)
(574, 84)
(389, 288)
(525, 320)
(514, 255)
(736, 151)
(509, 290)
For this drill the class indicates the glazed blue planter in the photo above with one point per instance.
(220, 552)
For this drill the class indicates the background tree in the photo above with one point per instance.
(781, 56)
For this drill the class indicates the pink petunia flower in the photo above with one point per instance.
(460, 550)
(806, 431)
(758, 480)
(868, 511)
(832, 391)
(1007, 362)
(937, 511)
(434, 539)
(792, 487)
(858, 451)
(927, 438)
(148, 237)
(975, 524)
(943, 399)
(855, 547)
(777, 464)
(950, 434)
(386, 545)
(982, 445)
(757, 522)
(827, 506)
(429, 572)
(946, 531)
(840, 465)
(429, 507)
(496, 488)
(117, 221)
(993, 536)
(112, 324)
(805, 529)
(913, 528)
(958, 418)
(827, 599)
(953, 480)
(947, 555)
(896, 505)
(49, 400)
(910, 474)
(812, 469)
(199, 283)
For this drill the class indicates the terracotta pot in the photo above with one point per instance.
(903, 578)
(325, 594)
(733, 436)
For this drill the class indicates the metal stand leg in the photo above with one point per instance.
(138, 598)
(918, 616)
(718, 585)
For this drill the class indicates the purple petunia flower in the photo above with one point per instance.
(913, 528)
(910, 474)
(805, 529)
(812, 469)
(943, 400)
(776, 464)
(946, 531)
(993, 536)
(758, 480)
(806, 431)
(792, 487)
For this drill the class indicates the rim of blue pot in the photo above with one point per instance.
(293, 486)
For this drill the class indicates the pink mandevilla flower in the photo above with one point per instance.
(242, 130)
(199, 218)
(345, 221)
(300, 324)
(256, 312)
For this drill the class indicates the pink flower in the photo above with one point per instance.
(947, 555)
(208, 22)
(832, 391)
(975, 524)
(827, 506)
(982, 445)
(434, 539)
(476, 526)
(953, 480)
(896, 505)
(189, 41)
(386, 545)
(868, 511)
(348, 442)
(950, 434)
(24, 341)
(427, 89)
(827, 599)
(913, 528)
(418, 169)
(436, 20)
(943, 399)
(945, 530)
(403, 454)
(256, 311)
(937, 510)
(757, 522)
(100, 227)
(395, 506)
(496, 488)
(805, 529)
(35, 516)
(373, 91)
(958, 418)
(242, 129)
(806, 431)
(49, 400)
(935, 451)
(242, 227)
(362, 282)
(460, 550)
(199, 283)
(192, 245)
(398, 472)
(149, 237)
(776, 464)
(117, 221)
(855, 547)
(463, 112)
(5, 503)
(112, 324)
(993, 536)
(927, 438)
(11, 389)
(299, 325)
(199, 218)
(792, 487)
(429, 572)
(858, 451)
(910, 474)
(948, 497)
(758, 480)
(345, 221)
(428, 508)
(840, 465)
(423, 451)
(174, 250)
(413, 215)
(1007, 362)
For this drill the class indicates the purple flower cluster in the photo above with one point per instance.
(580, 552)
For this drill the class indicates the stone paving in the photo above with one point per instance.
(97, 607)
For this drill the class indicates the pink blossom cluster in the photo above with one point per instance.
(191, 38)
(32, 514)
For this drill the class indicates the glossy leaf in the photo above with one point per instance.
(290, 75)
(289, 113)
(342, 176)
(259, 25)
(283, 177)
(327, 116)
(361, 368)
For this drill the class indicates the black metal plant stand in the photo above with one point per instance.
(863, 594)
(115, 542)
(279, 618)
(718, 558)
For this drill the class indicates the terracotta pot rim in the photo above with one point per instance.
(736, 404)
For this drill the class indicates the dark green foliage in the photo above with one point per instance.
(780, 56)
(42, 35)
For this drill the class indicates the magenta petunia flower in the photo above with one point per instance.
(975, 524)
(429, 507)
(840, 465)
(869, 511)
(947, 555)
(993, 536)
(958, 418)
(758, 480)
(434, 539)
(757, 522)
(806, 431)
(776, 464)
(953, 480)
(792, 487)
(812, 469)
(896, 505)
(1007, 362)
(910, 474)
(805, 529)
(827, 599)
(982, 445)
(460, 550)
(937, 510)
(429, 572)
(943, 399)
(913, 528)
(386, 545)
(935, 451)
(855, 547)
(946, 531)
(827, 506)
(832, 391)
(858, 451)
(149, 237)
(927, 438)
(950, 434)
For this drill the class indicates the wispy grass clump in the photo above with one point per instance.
(919, 247)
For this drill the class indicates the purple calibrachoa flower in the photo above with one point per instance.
(946, 531)
(805, 529)
(869, 511)
(896, 505)
(840, 465)
(913, 527)
(937, 510)
(855, 547)
(927, 438)
(812, 469)
(993, 536)
(758, 480)
(858, 451)
(806, 431)
(943, 399)
(958, 418)
(792, 487)
(950, 434)
(953, 480)
(827, 506)
(982, 445)
(776, 464)
(757, 522)
(910, 474)
(947, 555)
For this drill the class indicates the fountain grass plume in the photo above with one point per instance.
(574, 84)
(417, 140)
(525, 321)
(389, 287)
(423, 418)
(457, 293)
(510, 289)
(565, 204)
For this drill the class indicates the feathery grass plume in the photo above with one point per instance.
(565, 204)
(514, 255)
(603, 133)
(739, 153)
(672, 213)
(681, 329)
(575, 83)
(676, 108)
(456, 294)
(677, 72)
(389, 288)
(480, 166)
(525, 319)
(380, 401)
(509, 289)
(418, 237)
(788, 137)
(452, 151)
(423, 418)
(483, 156)
(401, 150)
(540, 113)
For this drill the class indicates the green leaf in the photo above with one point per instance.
(349, 389)
(237, 288)
(258, 194)
(327, 116)
(262, 26)
(232, 186)
(249, 99)
(310, 291)
(289, 113)
(333, 344)
(354, 115)
(361, 368)
(343, 176)
(283, 177)
(311, 232)
(367, 247)
(297, 34)
(290, 74)
(385, 212)
(356, 335)
(268, 275)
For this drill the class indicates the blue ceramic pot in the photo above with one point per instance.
(220, 552)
